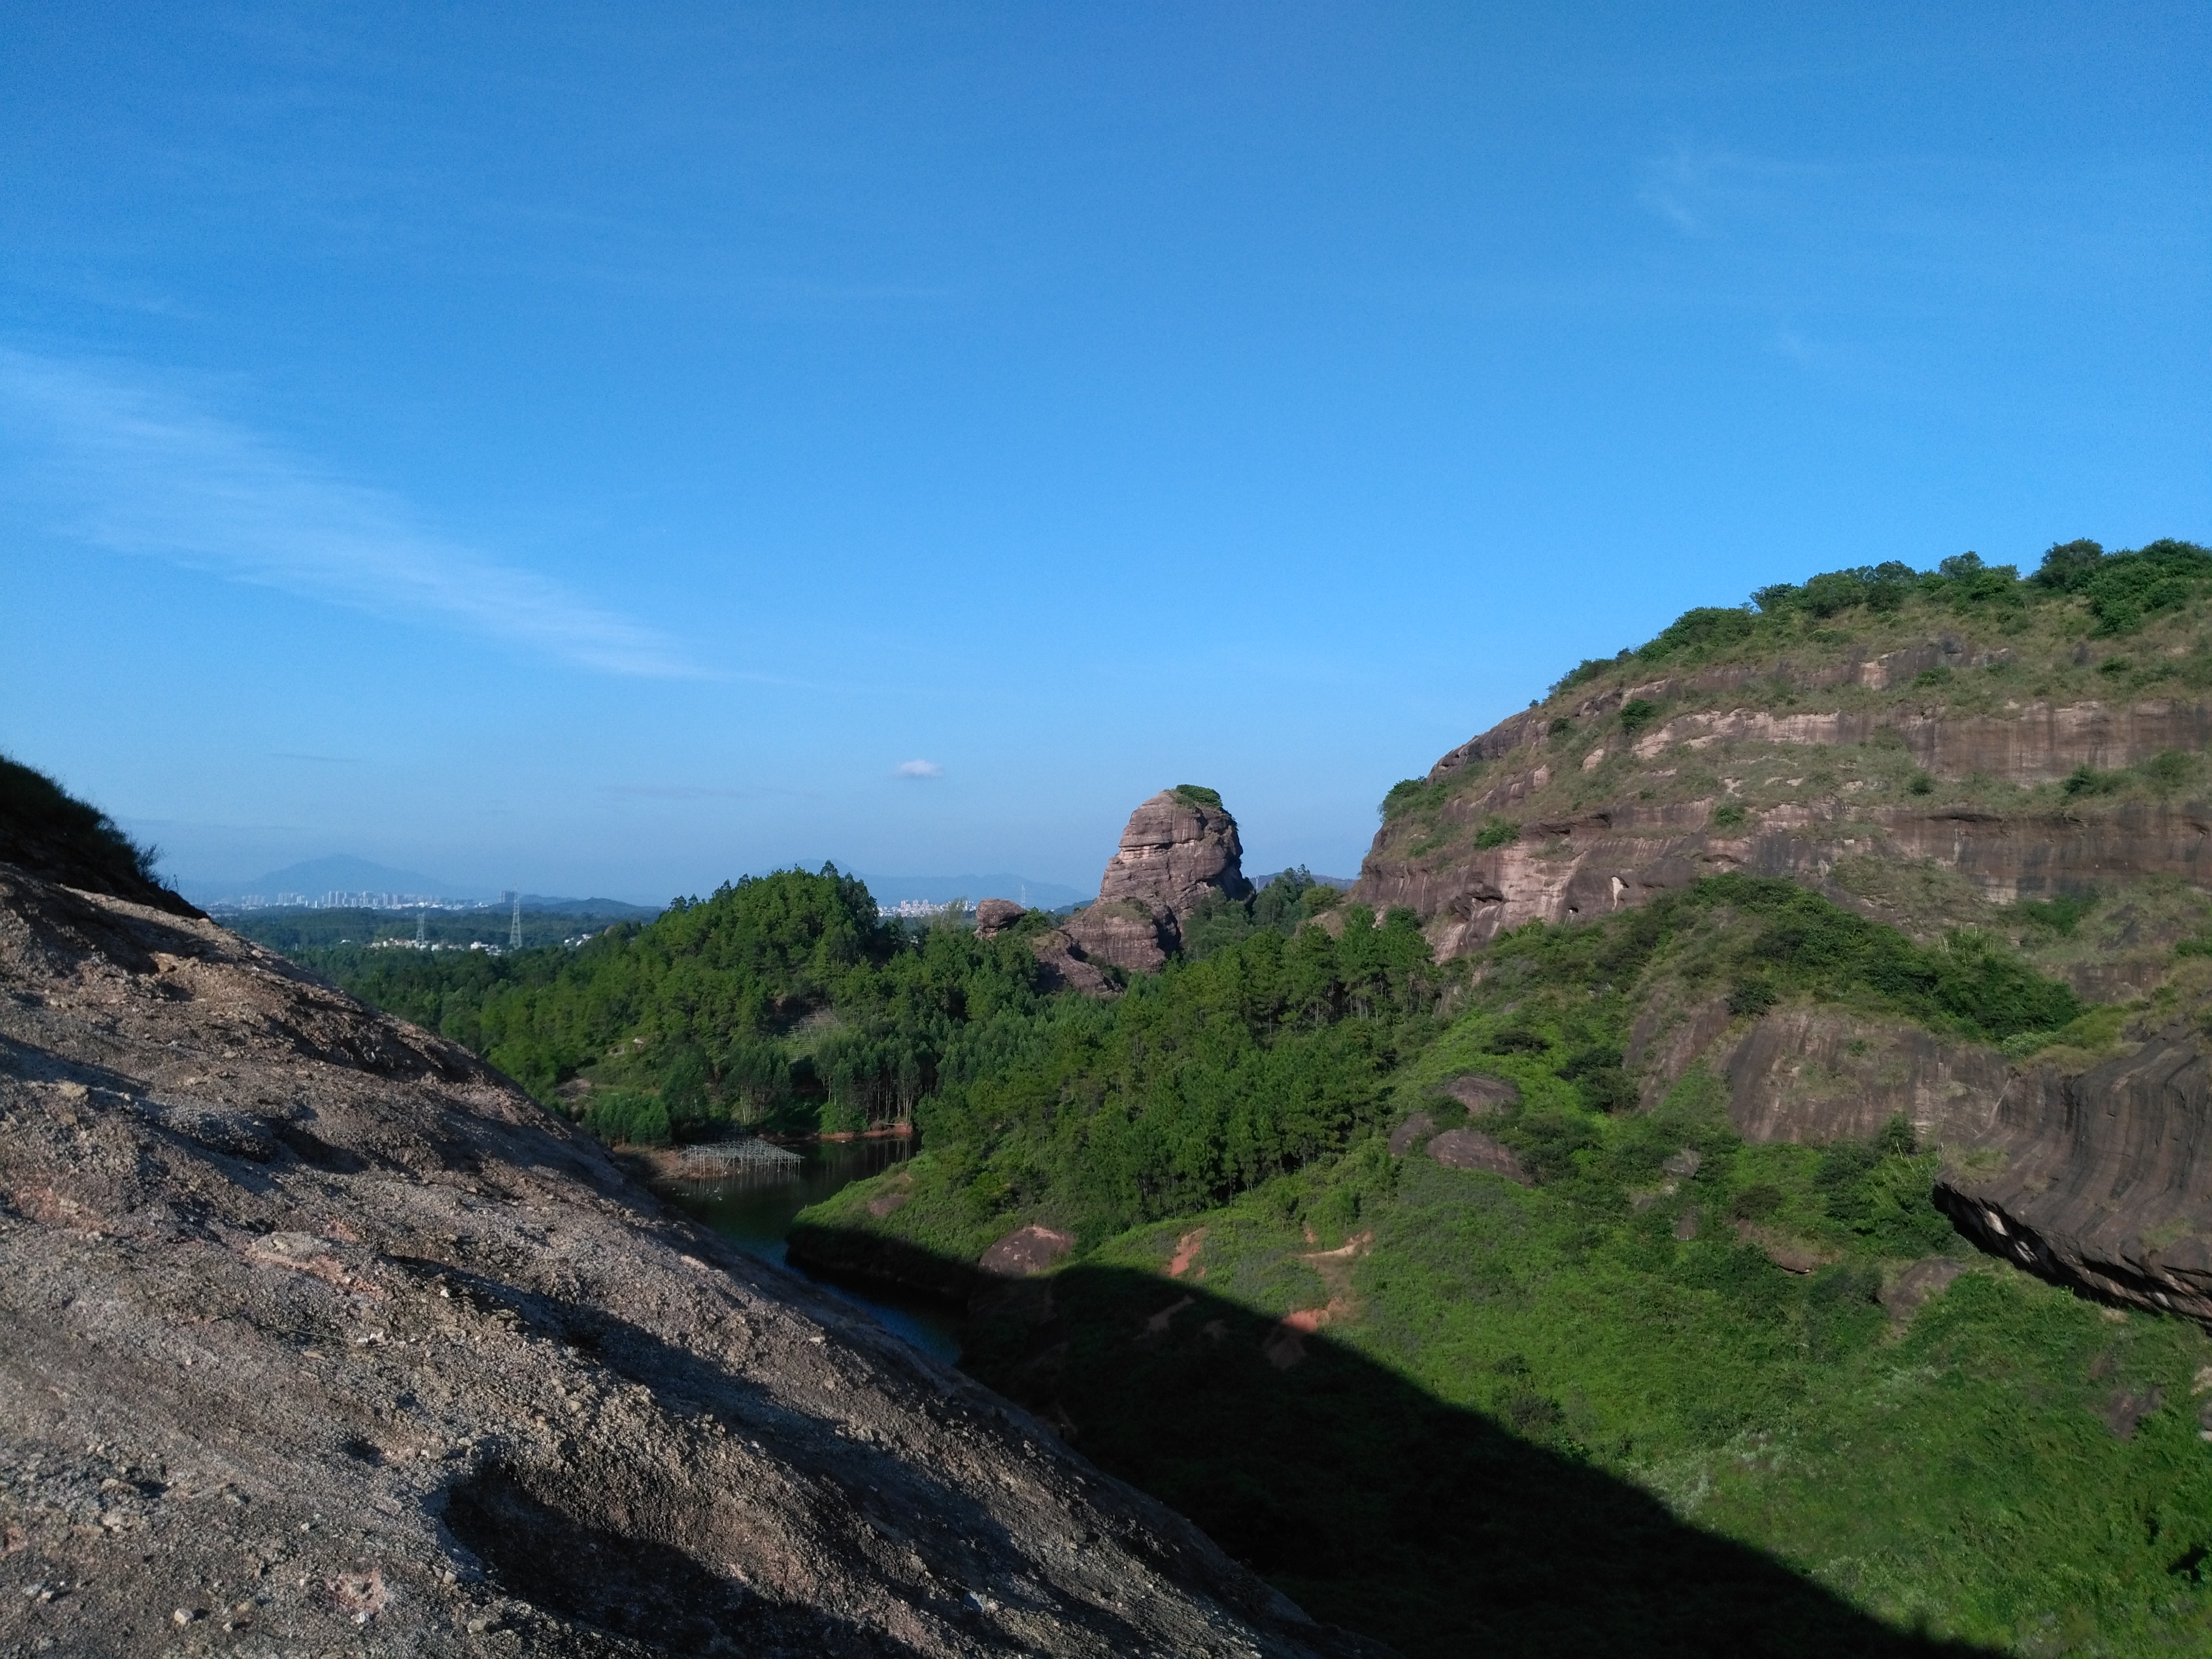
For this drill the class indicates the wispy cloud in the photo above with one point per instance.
(124, 464)
(1699, 190)
(917, 768)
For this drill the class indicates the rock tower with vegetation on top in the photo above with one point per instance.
(1179, 848)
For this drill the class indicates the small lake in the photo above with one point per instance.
(754, 1208)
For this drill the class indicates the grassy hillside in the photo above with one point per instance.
(1729, 1328)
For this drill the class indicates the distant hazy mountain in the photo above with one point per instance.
(936, 890)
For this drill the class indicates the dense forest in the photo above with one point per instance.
(783, 1002)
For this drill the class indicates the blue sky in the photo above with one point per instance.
(595, 449)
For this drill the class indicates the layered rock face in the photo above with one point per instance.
(1178, 847)
(316, 1334)
(2101, 1180)
(1574, 787)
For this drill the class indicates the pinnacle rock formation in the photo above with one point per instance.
(318, 1334)
(1178, 847)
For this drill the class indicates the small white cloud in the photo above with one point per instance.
(917, 768)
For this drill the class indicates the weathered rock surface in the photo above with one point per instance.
(1820, 1075)
(1066, 968)
(995, 915)
(317, 1335)
(2102, 1179)
(1129, 934)
(1470, 1149)
(1584, 863)
(1481, 1095)
(1177, 849)
(1025, 1251)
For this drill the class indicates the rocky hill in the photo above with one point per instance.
(320, 1335)
(2033, 738)
(1961, 749)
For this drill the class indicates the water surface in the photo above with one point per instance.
(754, 1207)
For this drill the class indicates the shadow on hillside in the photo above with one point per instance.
(1374, 1505)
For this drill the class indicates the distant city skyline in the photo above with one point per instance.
(605, 450)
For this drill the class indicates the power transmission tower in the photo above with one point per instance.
(514, 931)
(422, 921)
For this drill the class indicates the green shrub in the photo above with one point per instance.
(47, 830)
(1751, 997)
(625, 1117)
(1414, 795)
(1637, 713)
(2061, 915)
(2168, 769)
(1727, 816)
(1498, 832)
(2088, 780)
(1706, 630)
(1920, 783)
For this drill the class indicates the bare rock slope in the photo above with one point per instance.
(316, 1334)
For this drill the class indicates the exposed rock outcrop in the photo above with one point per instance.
(1066, 968)
(1178, 847)
(995, 915)
(2102, 1179)
(1634, 842)
(318, 1334)
(1129, 934)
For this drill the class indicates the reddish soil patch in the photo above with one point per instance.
(887, 1132)
(1470, 1149)
(1026, 1250)
(1186, 1252)
(1285, 1345)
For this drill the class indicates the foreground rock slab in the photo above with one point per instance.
(317, 1335)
